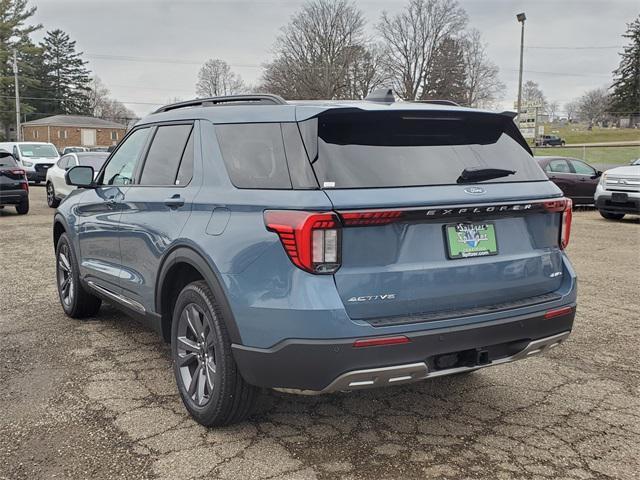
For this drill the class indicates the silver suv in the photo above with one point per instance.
(618, 192)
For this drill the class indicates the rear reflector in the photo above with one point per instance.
(558, 312)
(380, 341)
(311, 240)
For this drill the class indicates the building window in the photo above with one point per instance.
(35, 134)
(114, 136)
(64, 134)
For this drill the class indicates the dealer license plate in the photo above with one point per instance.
(466, 240)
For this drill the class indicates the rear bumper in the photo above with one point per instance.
(320, 366)
(13, 197)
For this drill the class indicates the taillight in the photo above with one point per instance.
(370, 217)
(565, 206)
(312, 240)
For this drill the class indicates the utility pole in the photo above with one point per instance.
(15, 79)
(521, 18)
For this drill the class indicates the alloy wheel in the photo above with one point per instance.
(50, 194)
(66, 285)
(196, 354)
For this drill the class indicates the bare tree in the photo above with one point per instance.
(318, 52)
(365, 72)
(411, 38)
(215, 78)
(483, 85)
(593, 105)
(531, 94)
(552, 110)
(101, 105)
(571, 110)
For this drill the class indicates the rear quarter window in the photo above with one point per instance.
(254, 155)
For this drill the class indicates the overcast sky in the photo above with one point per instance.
(148, 52)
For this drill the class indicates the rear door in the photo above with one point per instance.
(561, 173)
(156, 208)
(419, 244)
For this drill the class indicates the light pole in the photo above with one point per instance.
(15, 79)
(521, 18)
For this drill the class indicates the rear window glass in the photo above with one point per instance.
(7, 160)
(381, 149)
(254, 155)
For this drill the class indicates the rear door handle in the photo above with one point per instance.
(174, 201)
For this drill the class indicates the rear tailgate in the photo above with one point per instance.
(406, 268)
(418, 241)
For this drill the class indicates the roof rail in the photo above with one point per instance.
(264, 99)
(439, 102)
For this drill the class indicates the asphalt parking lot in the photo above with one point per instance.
(96, 399)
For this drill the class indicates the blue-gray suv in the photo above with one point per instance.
(320, 246)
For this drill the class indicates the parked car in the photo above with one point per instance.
(549, 141)
(57, 188)
(635, 162)
(317, 247)
(67, 150)
(99, 149)
(618, 192)
(35, 158)
(14, 187)
(576, 179)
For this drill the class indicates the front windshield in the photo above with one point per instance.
(38, 150)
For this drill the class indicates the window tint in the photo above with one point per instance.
(161, 165)
(185, 172)
(254, 155)
(63, 162)
(398, 149)
(299, 165)
(6, 160)
(582, 168)
(119, 170)
(559, 166)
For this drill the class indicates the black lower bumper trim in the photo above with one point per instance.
(632, 205)
(315, 364)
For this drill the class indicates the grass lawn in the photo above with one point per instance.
(612, 155)
(578, 133)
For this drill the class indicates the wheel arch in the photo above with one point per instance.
(180, 267)
(59, 227)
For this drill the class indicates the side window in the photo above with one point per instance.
(64, 162)
(559, 166)
(582, 168)
(254, 155)
(16, 154)
(165, 153)
(119, 170)
(185, 172)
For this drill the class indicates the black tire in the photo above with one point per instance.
(220, 396)
(52, 201)
(76, 301)
(23, 207)
(611, 216)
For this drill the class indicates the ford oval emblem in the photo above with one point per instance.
(474, 190)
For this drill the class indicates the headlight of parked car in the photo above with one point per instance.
(603, 179)
(27, 164)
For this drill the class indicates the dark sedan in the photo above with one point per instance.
(14, 187)
(576, 179)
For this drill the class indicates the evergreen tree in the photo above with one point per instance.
(626, 84)
(14, 35)
(447, 74)
(67, 79)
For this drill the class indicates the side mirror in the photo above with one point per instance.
(598, 174)
(80, 176)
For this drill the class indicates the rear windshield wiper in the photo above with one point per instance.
(478, 174)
